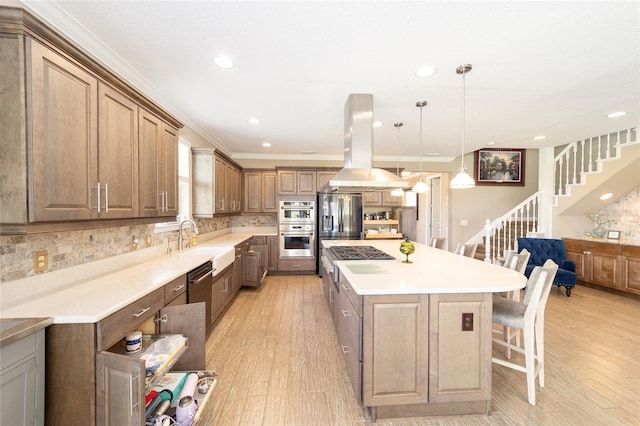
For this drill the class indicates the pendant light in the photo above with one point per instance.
(420, 187)
(462, 179)
(398, 192)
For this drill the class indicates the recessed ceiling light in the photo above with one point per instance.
(491, 143)
(425, 72)
(266, 144)
(377, 124)
(253, 121)
(432, 154)
(223, 62)
(606, 196)
(617, 114)
(307, 152)
(539, 138)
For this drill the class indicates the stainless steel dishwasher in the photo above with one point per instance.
(199, 286)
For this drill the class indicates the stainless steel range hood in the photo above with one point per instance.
(358, 173)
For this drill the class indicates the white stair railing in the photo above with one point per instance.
(586, 156)
(502, 234)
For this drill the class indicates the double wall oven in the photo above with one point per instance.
(297, 223)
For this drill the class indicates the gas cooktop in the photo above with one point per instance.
(360, 253)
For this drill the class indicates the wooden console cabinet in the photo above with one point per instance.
(608, 264)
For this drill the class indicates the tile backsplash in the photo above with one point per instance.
(72, 248)
(625, 214)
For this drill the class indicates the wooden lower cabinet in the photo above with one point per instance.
(90, 381)
(406, 355)
(597, 262)
(630, 280)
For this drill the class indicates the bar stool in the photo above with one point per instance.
(528, 316)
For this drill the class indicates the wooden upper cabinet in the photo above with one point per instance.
(158, 165)
(64, 151)
(216, 184)
(259, 192)
(380, 198)
(323, 177)
(150, 129)
(169, 172)
(297, 182)
(118, 153)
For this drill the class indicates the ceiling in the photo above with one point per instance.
(539, 68)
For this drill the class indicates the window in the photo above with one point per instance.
(184, 180)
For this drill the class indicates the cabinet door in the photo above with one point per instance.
(120, 390)
(190, 321)
(149, 157)
(218, 296)
(169, 170)
(64, 151)
(631, 269)
(306, 182)
(390, 200)
(287, 182)
(252, 192)
(269, 192)
(253, 269)
(118, 148)
(605, 269)
(371, 198)
(323, 178)
(272, 258)
(580, 261)
(459, 361)
(203, 191)
(18, 390)
(395, 333)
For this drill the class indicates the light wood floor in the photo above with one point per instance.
(277, 357)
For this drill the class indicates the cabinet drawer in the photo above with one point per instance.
(592, 246)
(18, 350)
(351, 295)
(175, 288)
(631, 251)
(115, 326)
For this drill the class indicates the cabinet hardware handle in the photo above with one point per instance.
(345, 313)
(98, 188)
(131, 404)
(204, 276)
(141, 312)
(106, 198)
(345, 349)
(180, 287)
(346, 287)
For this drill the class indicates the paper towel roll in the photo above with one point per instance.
(189, 387)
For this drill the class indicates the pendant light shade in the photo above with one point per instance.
(420, 187)
(398, 192)
(463, 179)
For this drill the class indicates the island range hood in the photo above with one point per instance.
(358, 174)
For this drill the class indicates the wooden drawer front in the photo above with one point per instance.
(117, 325)
(18, 350)
(592, 246)
(175, 288)
(631, 251)
(351, 295)
(301, 265)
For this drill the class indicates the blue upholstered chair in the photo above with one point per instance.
(542, 249)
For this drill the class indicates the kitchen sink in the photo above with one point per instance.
(220, 256)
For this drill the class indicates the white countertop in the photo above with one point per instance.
(432, 271)
(89, 293)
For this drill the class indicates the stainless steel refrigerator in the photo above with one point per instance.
(339, 218)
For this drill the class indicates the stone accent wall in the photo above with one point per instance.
(72, 248)
(625, 214)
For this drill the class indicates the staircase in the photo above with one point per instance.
(571, 167)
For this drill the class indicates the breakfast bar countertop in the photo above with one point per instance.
(431, 271)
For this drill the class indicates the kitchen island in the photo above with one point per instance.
(416, 337)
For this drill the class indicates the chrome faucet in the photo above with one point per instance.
(195, 231)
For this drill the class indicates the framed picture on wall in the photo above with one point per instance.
(499, 166)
